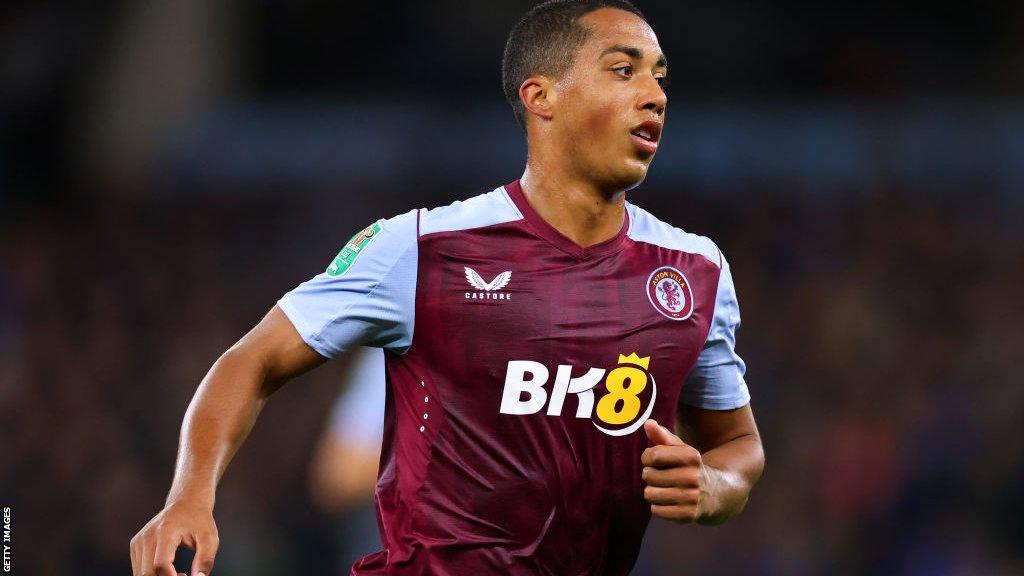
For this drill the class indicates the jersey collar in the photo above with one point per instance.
(561, 241)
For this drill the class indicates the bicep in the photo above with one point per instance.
(278, 348)
(706, 429)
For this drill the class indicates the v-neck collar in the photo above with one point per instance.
(552, 235)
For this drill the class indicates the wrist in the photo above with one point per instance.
(710, 499)
(191, 497)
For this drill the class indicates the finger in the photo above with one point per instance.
(659, 435)
(663, 496)
(671, 477)
(661, 456)
(163, 552)
(145, 555)
(206, 551)
(669, 456)
(681, 514)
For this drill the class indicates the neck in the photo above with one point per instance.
(575, 207)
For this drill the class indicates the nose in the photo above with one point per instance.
(653, 97)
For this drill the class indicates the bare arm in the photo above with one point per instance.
(732, 455)
(217, 422)
(224, 408)
(343, 473)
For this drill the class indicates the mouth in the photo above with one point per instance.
(646, 136)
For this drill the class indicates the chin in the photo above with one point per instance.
(622, 177)
(633, 174)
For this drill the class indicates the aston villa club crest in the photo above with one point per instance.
(670, 293)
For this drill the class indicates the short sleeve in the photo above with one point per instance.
(367, 295)
(716, 381)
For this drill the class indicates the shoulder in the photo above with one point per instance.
(390, 235)
(647, 228)
(489, 209)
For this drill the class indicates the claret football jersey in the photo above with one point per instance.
(520, 368)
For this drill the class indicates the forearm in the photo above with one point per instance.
(730, 470)
(217, 422)
(219, 418)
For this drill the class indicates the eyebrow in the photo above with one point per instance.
(633, 52)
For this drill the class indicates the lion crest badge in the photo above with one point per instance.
(670, 293)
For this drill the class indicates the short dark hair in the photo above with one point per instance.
(545, 41)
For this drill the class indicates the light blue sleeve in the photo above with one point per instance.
(367, 296)
(716, 381)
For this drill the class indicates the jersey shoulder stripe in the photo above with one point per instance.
(645, 227)
(487, 209)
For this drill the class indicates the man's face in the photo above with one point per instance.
(610, 105)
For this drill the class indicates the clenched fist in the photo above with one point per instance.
(179, 524)
(675, 477)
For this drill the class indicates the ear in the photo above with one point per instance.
(537, 95)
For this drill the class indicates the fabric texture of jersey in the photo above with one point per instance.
(520, 368)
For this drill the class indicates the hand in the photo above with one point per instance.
(675, 476)
(179, 524)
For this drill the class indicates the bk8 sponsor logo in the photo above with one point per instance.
(619, 412)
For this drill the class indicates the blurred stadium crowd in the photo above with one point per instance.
(882, 335)
(882, 311)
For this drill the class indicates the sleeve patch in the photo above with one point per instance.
(352, 250)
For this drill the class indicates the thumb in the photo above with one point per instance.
(659, 435)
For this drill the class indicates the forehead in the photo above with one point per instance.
(611, 26)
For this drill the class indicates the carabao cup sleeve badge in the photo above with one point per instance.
(353, 249)
(670, 293)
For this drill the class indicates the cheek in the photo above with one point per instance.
(600, 118)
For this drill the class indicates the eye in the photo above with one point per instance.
(664, 81)
(624, 71)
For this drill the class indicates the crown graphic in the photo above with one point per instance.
(636, 360)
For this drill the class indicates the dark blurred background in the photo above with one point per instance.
(169, 169)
